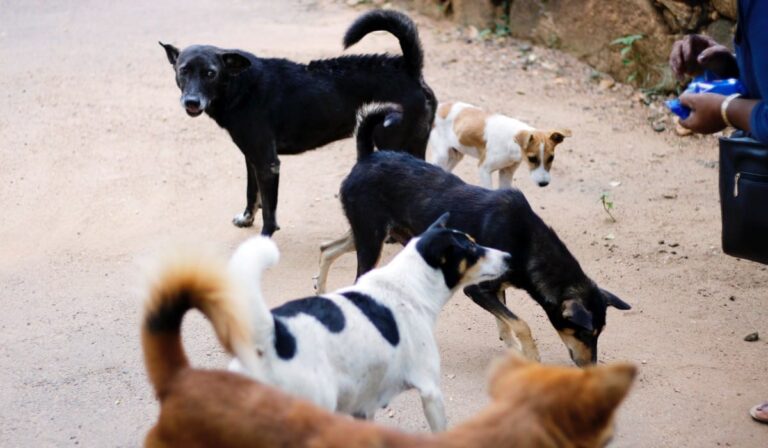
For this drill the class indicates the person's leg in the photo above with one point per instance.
(760, 412)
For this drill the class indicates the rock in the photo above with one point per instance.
(606, 83)
(472, 33)
(473, 12)
(726, 8)
(682, 16)
(752, 337)
(669, 195)
(659, 125)
(722, 31)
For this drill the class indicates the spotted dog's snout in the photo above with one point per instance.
(544, 183)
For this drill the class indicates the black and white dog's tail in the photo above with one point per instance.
(396, 23)
(246, 267)
(368, 119)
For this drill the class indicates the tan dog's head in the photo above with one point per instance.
(539, 151)
(568, 403)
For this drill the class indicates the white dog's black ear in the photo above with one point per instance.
(235, 63)
(170, 51)
(574, 312)
(612, 300)
(441, 222)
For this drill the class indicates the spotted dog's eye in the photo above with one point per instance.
(533, 159)
(210, 74)
(550, 159)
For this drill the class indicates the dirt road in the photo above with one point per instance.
(100, 166)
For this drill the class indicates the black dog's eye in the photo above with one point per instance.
(210, 74)
(533, 159)
(183, 70)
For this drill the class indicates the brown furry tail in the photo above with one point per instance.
(184, 283)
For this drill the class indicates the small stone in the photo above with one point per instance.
(614, 183)
(606, 83)
(451, 376)
(669, 195)
(752, 337)
(659, 126)
(732, 298)
(609, 237)
(674, 244)
(472, 32)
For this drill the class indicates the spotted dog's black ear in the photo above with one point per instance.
(235, 63)
(612, 300)
(171, 52)
(574, 312)
(441, 222)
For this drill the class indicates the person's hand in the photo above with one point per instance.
(696, 53)
(705, 115)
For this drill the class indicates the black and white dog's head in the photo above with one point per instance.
(581, 319)
(201, 71)
(457, 256)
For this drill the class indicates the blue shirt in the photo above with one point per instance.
(752, 55)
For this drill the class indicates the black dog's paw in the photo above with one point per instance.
(244, 219)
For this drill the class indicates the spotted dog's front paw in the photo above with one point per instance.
(244, 219)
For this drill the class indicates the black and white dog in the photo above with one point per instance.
(276, 106)
(354, 350)
(392, 193)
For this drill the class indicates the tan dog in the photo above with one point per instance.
(532, 405)
(498, 141)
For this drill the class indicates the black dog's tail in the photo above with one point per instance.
(369, 118)
(396, 23)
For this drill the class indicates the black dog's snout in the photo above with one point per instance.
(192, 102)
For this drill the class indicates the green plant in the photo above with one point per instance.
(607, 202)
(626, 52)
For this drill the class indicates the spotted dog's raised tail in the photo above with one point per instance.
(369, 118)
(396, 23)
(189, 281)
(246, 266)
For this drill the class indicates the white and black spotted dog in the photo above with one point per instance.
(355, 349)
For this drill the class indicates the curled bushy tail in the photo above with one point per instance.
(369, 117)
(184, 282)
(396, 23)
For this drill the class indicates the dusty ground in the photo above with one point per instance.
(100, 166)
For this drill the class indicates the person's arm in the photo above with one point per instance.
(706, 118)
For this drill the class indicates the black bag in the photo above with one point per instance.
(744, 197)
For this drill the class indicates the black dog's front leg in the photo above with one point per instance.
(490, 296)
(253, 201)
(268, 178)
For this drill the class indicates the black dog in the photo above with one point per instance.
(397, 194)
(276, 106)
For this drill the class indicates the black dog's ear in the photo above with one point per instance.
(170, 51)
(441, 222)
(235, 63)
(612, 300)
(575, 313)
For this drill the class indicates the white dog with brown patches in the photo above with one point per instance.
(500, 142)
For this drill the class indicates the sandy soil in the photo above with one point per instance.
(101, 167)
